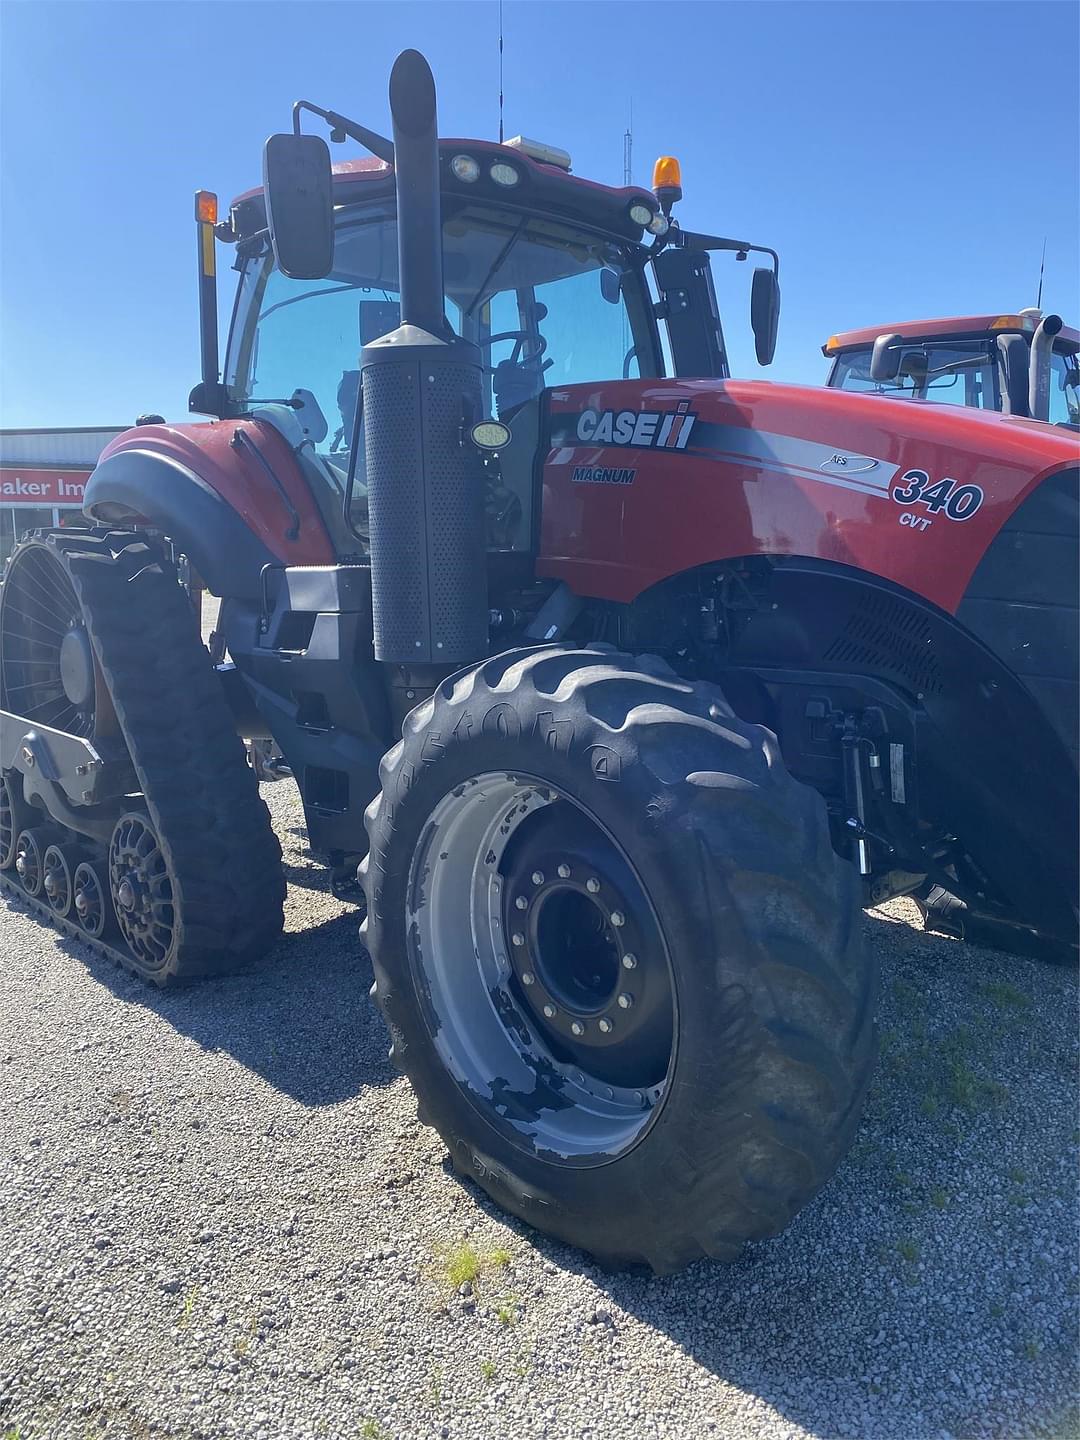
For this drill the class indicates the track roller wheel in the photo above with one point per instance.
(30, 850)
(91, 906)
(7, 824)
(141, 888)
(58, 869)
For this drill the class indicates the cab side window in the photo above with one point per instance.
(1064, 389)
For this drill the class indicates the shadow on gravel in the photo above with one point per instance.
(930, 1290)
(301, 1018)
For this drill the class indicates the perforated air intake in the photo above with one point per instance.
(425, 501)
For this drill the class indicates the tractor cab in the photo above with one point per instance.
(1023, 364)
(556, 280)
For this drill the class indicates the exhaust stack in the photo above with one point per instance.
(422, 391)
(1042, 344)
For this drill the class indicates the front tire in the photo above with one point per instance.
(732, 1104)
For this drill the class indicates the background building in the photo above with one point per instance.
(42, 477)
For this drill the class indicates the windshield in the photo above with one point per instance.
(547, 303)
(950, 372)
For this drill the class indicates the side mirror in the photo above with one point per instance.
(885, 358)
(765, 313)
(299, 205)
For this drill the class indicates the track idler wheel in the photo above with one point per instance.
(30, 848)
(91, 906)
(58, 872)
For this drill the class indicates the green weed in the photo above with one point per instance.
(1002, 993)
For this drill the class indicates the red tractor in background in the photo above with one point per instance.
(1025, 364)
(626, 683)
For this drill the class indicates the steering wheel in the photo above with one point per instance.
(521, 338)
(628, 359)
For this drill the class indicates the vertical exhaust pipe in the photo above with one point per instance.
(419, 208)
(1042, 345)
(422, 391)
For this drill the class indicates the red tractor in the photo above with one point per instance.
(1027, 364)
(626, 683)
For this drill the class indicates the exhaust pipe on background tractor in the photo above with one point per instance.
(421, 395)
(1042, 345)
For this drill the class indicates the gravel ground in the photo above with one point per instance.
(220, 1218)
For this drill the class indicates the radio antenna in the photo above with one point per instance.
(500, 73)
(1042, 267)
(628, 149)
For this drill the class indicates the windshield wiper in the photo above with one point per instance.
(495, 268)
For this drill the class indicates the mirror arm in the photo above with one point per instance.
(721, 242)
(371, 140)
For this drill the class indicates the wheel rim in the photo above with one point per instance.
(48, 666)
(7, 825)
(28, 862)
(90, 902)
(141, 890)
(543, 969)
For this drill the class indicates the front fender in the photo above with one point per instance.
(139, 485)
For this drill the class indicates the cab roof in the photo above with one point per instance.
(950, 327)
(542, 186)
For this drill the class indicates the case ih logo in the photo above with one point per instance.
(646, 429)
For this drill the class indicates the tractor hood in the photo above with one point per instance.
(909, 491)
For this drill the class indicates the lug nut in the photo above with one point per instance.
(564, 872)
(625, 1001)
(521, 903)
(592, 885)
(549, 1011)
(618, 918)
(538, 877)
(527, 977)
(629, 961)
(605, 1025)
(518, 938)
(577, 1028)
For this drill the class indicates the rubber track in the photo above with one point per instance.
(202, 796)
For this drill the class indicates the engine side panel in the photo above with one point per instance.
(646, 479)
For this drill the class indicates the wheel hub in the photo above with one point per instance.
(584, 950)
(77, 667)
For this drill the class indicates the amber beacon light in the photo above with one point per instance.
(667, 182)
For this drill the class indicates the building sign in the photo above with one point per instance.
(26, 486)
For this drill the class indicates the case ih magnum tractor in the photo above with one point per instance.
(1026, 364)
(626, 683)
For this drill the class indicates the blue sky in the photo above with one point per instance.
(905, 159)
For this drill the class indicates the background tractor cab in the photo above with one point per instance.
(1023, 364)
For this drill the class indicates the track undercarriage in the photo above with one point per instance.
(128, 814)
